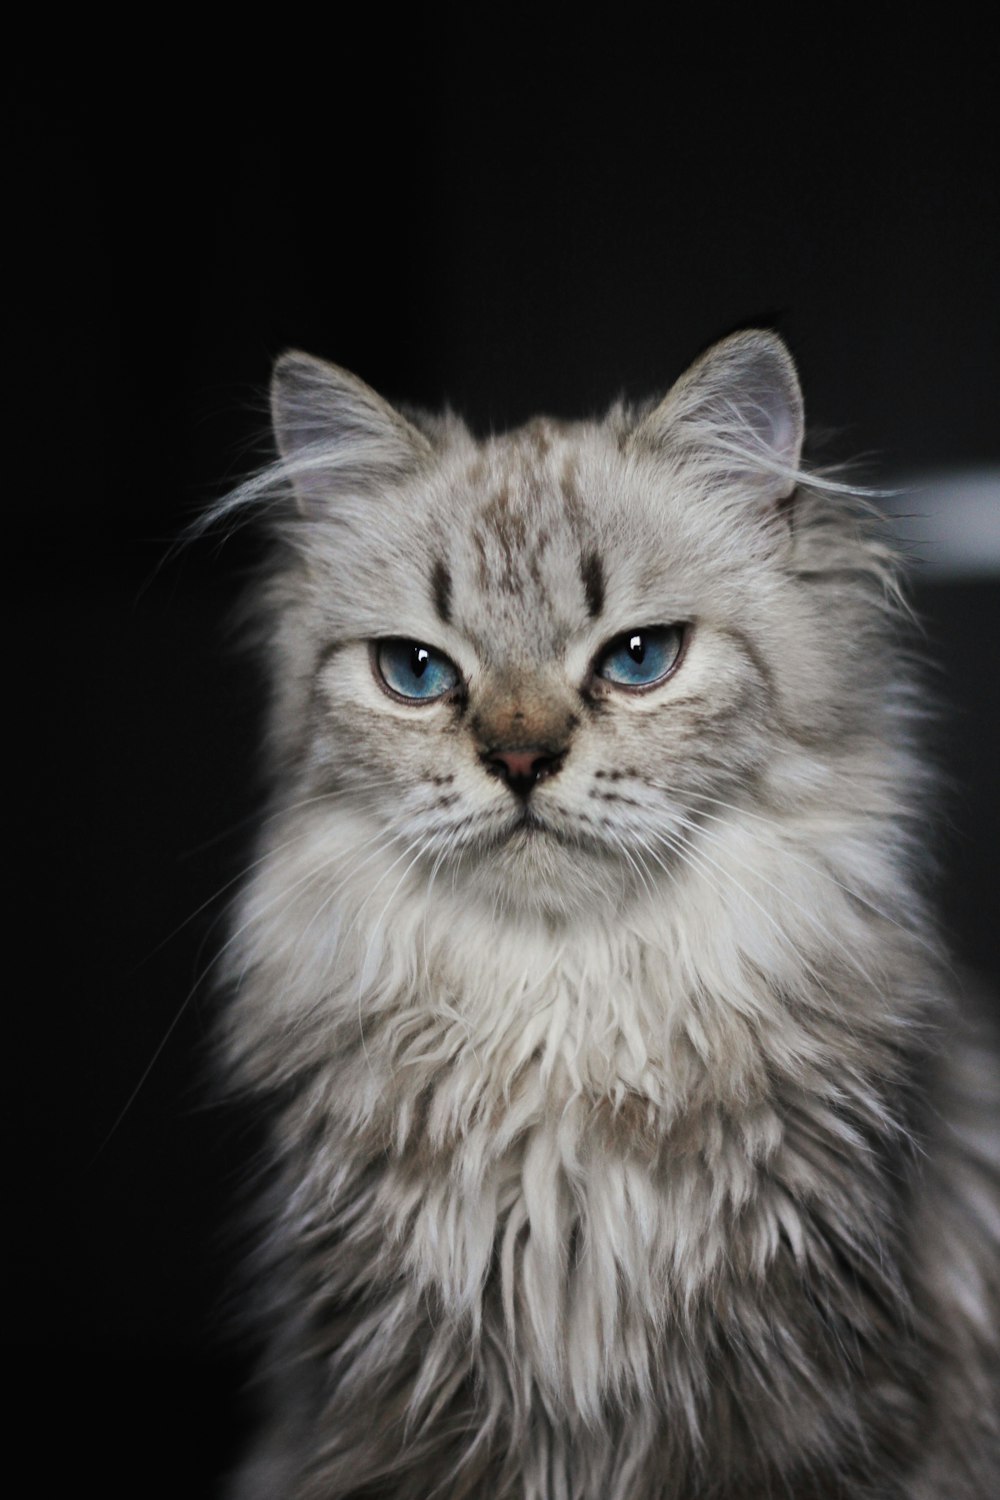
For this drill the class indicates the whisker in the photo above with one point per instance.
(772, 824)
(810, 915)
(698, 858)
(620, 844)
(365, 805)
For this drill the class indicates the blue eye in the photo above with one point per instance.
(413, 671)
(639, 658)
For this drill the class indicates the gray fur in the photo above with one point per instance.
(637, 1148)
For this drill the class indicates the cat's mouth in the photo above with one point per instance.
(529, 825)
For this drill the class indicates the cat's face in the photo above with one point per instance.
(540, 663)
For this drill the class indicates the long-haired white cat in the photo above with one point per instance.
(629, 1143)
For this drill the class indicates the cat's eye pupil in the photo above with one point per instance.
(415, 673)
(637, 648)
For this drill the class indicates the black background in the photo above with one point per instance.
(489, 213)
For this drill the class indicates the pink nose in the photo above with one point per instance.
(520, 769)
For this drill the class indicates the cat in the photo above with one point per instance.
(631, 1139)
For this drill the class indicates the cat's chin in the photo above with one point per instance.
(532, 839)
(531, 867)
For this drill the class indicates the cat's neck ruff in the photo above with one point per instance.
(714, 964)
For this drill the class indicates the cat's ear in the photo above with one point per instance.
(740, 406)
(334, 433)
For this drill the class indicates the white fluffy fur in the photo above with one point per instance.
(612, 1136)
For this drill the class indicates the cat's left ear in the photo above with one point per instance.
(336, 436)
(740, 408)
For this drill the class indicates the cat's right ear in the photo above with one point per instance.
(335, 434)
(740, 408)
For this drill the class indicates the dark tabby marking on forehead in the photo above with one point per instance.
(592, 574)
(508, 526)
(504, 533)
(441, 590)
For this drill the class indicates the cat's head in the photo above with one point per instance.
(539, 664)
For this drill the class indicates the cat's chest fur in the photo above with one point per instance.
(566, 1138)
